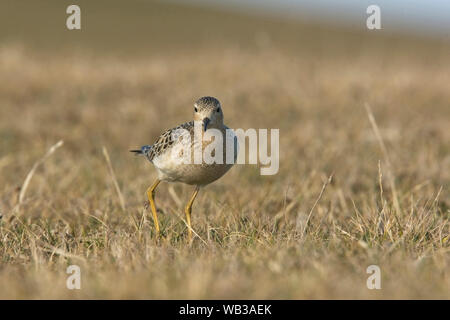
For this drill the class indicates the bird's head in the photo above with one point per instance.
(209, 111)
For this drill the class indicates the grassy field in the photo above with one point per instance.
(134, 71)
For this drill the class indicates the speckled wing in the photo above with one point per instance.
(166, 140)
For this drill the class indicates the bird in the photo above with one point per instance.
(182, 142)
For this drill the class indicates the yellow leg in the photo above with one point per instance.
(188, 211)
(151, 199)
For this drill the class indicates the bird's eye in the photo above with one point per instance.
(195, 109)
(218, 110)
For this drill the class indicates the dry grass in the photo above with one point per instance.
(264, 236)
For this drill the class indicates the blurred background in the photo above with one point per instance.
(141, 25)
(305, 67)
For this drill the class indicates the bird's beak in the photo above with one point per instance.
(205, 123)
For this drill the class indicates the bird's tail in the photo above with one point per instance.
(141, 151)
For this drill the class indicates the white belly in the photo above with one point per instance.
(172, 166)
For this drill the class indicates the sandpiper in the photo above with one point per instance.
(165, 153)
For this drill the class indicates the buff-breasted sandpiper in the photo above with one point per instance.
(165, 152)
